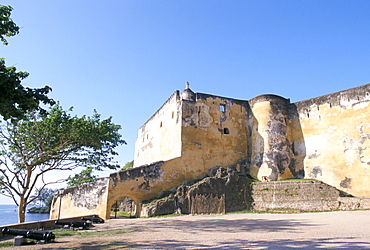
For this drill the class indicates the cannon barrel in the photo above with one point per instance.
(93, 219)
(82, 224)
(35, 235)
(15, 232)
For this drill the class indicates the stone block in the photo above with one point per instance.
(19, 240)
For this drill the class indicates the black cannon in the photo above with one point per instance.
(82, 224)
(35, 235)
(93, 219)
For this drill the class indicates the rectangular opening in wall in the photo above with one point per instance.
(226, 131)
(222, 107)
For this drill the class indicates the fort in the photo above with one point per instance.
(325, 140)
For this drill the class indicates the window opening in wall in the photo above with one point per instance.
(173, 114)
(226, 131)
(222, 107)
(160, 125)
(147, 136)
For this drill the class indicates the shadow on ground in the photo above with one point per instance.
(191, 232)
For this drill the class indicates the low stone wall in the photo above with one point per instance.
(212, 203)
(295, 196)
(351, 203)
(227, 192)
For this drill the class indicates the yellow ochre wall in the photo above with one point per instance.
(213, 136)
(142, 184)
(159, 138)
(86, 199)
(325, 138)
(204, 146)
(336, 133)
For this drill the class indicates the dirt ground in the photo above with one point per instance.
(327, 230)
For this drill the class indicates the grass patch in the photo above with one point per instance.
(121, 214)
(298, 180)
(254, 212)
(8, 243)
(169, 215)
(60, 233)
(271, 211)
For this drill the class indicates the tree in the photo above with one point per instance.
(128, 165)
(42, 143)
(80, 178)
(15, 99)
(7, 27)
(43, 197)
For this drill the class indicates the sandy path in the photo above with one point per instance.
(329, 230)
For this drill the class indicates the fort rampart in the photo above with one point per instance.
(325, 138)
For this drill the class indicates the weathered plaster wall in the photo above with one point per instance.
(145, 182)
(86, 199)
(214, 133)
(272, 156)
(336, 132)
(159, 138)
(325, 138)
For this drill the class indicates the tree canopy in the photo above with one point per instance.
(128, 165)
(41, 143)
(7, 27)
(15, 99)
(82, 177)
(43, 197)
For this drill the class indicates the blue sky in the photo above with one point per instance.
(125, 58)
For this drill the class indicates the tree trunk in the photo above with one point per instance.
(21, 210)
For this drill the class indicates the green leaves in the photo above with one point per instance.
(58, 137)
(7, 27)
(128, 165)
(84, 176)
(52, 141)
(16, 100)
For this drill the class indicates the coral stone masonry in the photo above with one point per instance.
(325, 138)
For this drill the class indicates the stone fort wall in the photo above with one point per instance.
(155, 136)
(325, 138)
(335, 143)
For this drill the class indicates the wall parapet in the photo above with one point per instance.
(269, 98)
(345, 99)
(203, 96)
(176, 95)
(146, 171)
